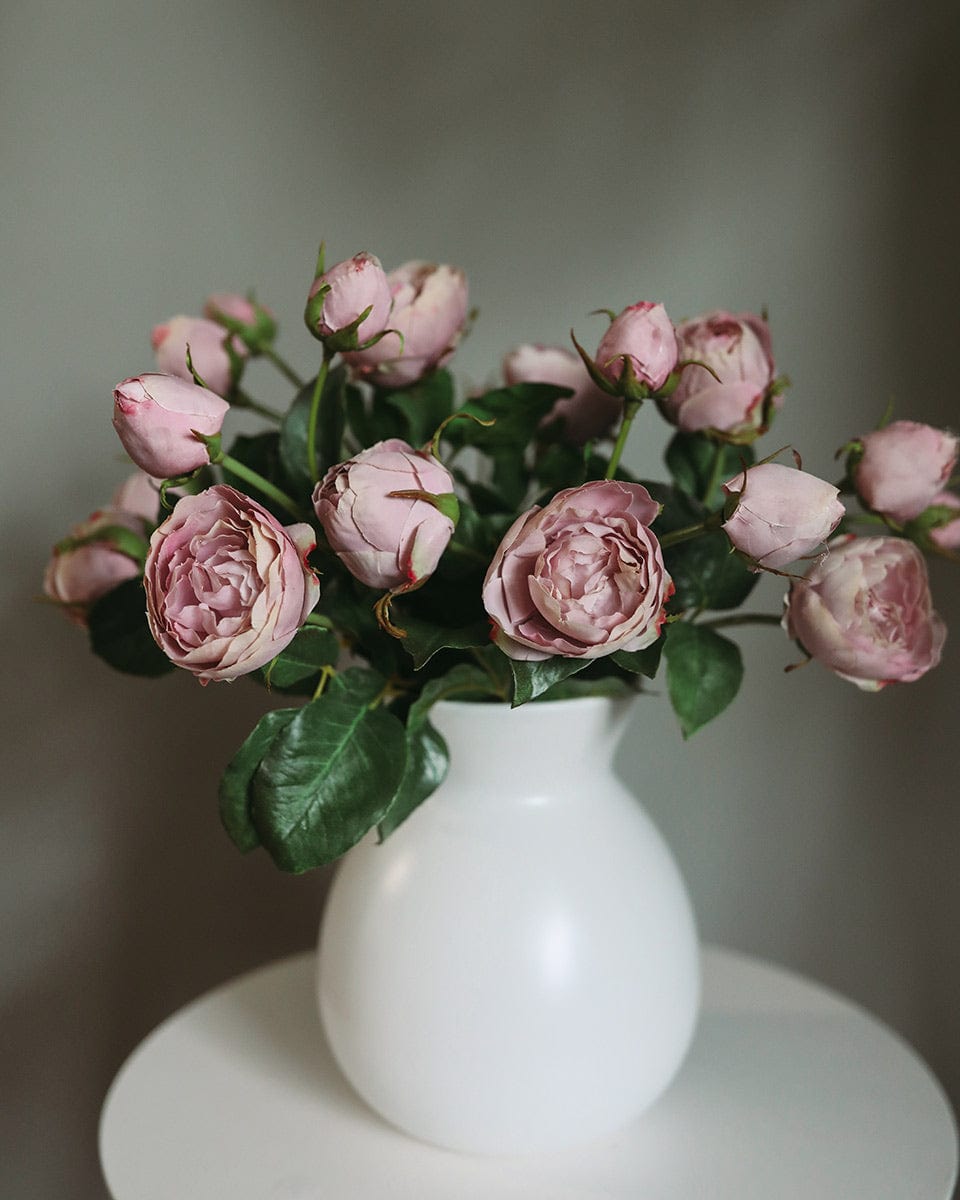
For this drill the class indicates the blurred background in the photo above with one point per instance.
(801, 156)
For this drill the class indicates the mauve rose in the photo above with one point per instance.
(155, 417)
(903, 467)
(233, 307)
(865, 612)
(353, 285)
(76, 577)
(947, 537)
(429, 311)
(581, 577)
(738, 349)
(588, 413)
(138, 494)
(207, 353)
(779, 514)
(385, 541)
(641, 338)
(227, 585)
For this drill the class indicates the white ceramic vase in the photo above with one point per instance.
(515, 969)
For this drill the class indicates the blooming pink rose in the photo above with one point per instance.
(386, 541)
(356, 284)
(77, 576)
(207, 351)
(155, 417)
(778, 514)
(429, 311)
(642, 340)
(947, 537)
(738, 349)
(227, 585)
(865, 612)
(903, 467)
(588, 413)
(581, 577)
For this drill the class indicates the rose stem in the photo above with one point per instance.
(630, 410)
(315, 412)
(272, 356)
(242, 400)
(262, 485)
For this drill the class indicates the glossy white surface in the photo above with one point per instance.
(788, 1093)
(516, 968)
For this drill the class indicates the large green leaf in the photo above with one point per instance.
(120, 635)
(532, 679)
(426, 765)
(237, 778)
(699, 465)
(425, 638)
(330, 426)
(707, 575)
(516, 412)
(303, 659)
(462, 682)
(640, 662)
(704, 671)
(422, 407)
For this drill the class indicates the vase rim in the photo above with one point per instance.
(568, 702)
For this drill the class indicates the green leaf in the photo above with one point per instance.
(303, 659)
(237, 778)
(699, 465)
(704, 671)
(425, 638)
(426, 766)
(120, 635)
(516, 412)
(422, 407)
(640, 662)
(707, 575)
(532, 679)
(560, 466)
(330, 426)
(462, 682)
(329, 776)
(572, 689)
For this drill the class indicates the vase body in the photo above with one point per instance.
(515, 969)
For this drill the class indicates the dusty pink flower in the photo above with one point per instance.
(227, 585)
(581, 577)
(641, 341)
(429, 311)
(138, 494)
(155, 417)
(778, 514)
(904, 465)
(207, 351)
(77, 576)
(738, 349)
(588, 413)
(233, 307)
(947, 537)
(865, 612)
(386, 541)
(352, 286)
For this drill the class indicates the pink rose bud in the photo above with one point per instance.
(778, 514)
(138, 494)
(947, 536)
(208, 352)
(429, 313)
(736, 403)
(76, 576)
(588, 413)
(386, 541)
(865, 612)
(345, 292)
(227, 585)
(254, 325)
(903, 466)
(155, 417)
(641, 344)
(580, 578)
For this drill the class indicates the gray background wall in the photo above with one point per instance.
(568, 156)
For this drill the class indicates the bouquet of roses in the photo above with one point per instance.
(382, 545)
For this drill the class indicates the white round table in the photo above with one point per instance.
(789, 1093)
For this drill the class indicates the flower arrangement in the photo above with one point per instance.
(382, 546)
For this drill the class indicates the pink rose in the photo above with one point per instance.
(386, 541)
(227, 585)
(233, 307)
(580, 578)
(588, 413)
(903, 467)
(640, 342)
(347, 290)
(865, 612)
(156, 416)
(738, 349)
(207, 351)
(138, 494)
(947, 537)
(429, 311)
(778, 514)
(77, 576)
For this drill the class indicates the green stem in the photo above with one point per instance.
(262, 485)
(284, 368)
(714, 474)
(326, 674)
(631, 408)
(242, 400)
(319, 621)
(741, 619)
(675, 536)
(315, 414)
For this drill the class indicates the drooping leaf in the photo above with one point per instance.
(329, 776)
(303, 659)
(426, 765)
(120, 635)
(238, 776)
(532, 679)
(425, 638)
(704, 671)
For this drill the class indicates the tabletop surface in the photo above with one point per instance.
(789, 1093)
